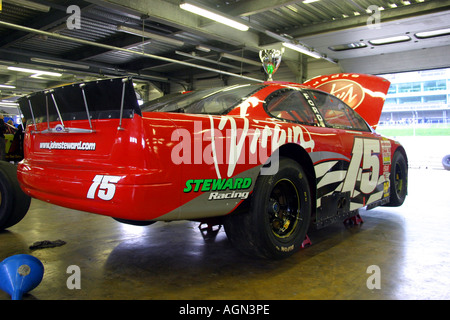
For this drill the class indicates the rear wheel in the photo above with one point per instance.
(279, 214)
(14, 203)
(398, 180)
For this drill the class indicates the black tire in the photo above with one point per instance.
(279, 216)
(446, 162)
(14, 203)
(398, 180)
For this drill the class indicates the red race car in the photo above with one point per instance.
(266, 160)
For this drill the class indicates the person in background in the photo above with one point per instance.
(10, 128)
(21, 135)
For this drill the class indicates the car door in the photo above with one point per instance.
(364, 178)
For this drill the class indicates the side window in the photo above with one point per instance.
(290, 105)
(336, 113)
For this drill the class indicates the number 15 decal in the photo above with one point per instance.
(364, 166)
(106, 186)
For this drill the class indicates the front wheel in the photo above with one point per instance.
(279, 215)
(398, 180)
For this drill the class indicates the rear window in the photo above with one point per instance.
(208, 101)
(336, 113)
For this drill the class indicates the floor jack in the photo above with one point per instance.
(355, 220)
(209, 230)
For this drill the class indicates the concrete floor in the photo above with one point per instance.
(409, 244)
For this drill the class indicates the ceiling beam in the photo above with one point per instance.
(142, 54)
(249, 7)
(87, 52)
(171, 14)
(44, 21)
(416, 9)
(24, 57)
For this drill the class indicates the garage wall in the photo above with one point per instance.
(423, 59)
(322, 67)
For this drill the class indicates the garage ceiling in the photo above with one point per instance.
(165, 46)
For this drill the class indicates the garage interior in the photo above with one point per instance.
(166, 49)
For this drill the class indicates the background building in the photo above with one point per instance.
(420, 97)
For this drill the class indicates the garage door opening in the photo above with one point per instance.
(417, 113)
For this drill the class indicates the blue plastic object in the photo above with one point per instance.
(20, 274)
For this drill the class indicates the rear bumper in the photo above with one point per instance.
(127, 193)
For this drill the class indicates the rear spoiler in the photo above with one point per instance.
(363, 93)
(103, 99)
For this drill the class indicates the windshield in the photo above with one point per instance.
(208, 101)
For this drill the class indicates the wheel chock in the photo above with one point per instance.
(306, 242)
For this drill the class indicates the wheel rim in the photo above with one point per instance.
(399, 178)
(284, 209)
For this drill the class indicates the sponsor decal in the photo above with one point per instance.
(314, 109)
(56, 145)
(386, 189)
(220, 188)
(228, 195)
(348, 91)
(231, 142)
(343, 87)
(386, 151)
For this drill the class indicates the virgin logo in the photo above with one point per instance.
(348, 91)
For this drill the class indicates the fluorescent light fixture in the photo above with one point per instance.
(348, 46)
(36, 73)
(29, 5)
(434, 33)
(7, 86)
(390, 40)
(213, 16)
(203, 48)
(240, 59)
(60, 63)
(150, 35)
(303, 50)
(8, 104)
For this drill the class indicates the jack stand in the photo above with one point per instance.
(306, 242)
(355, 220)
(209, 231)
